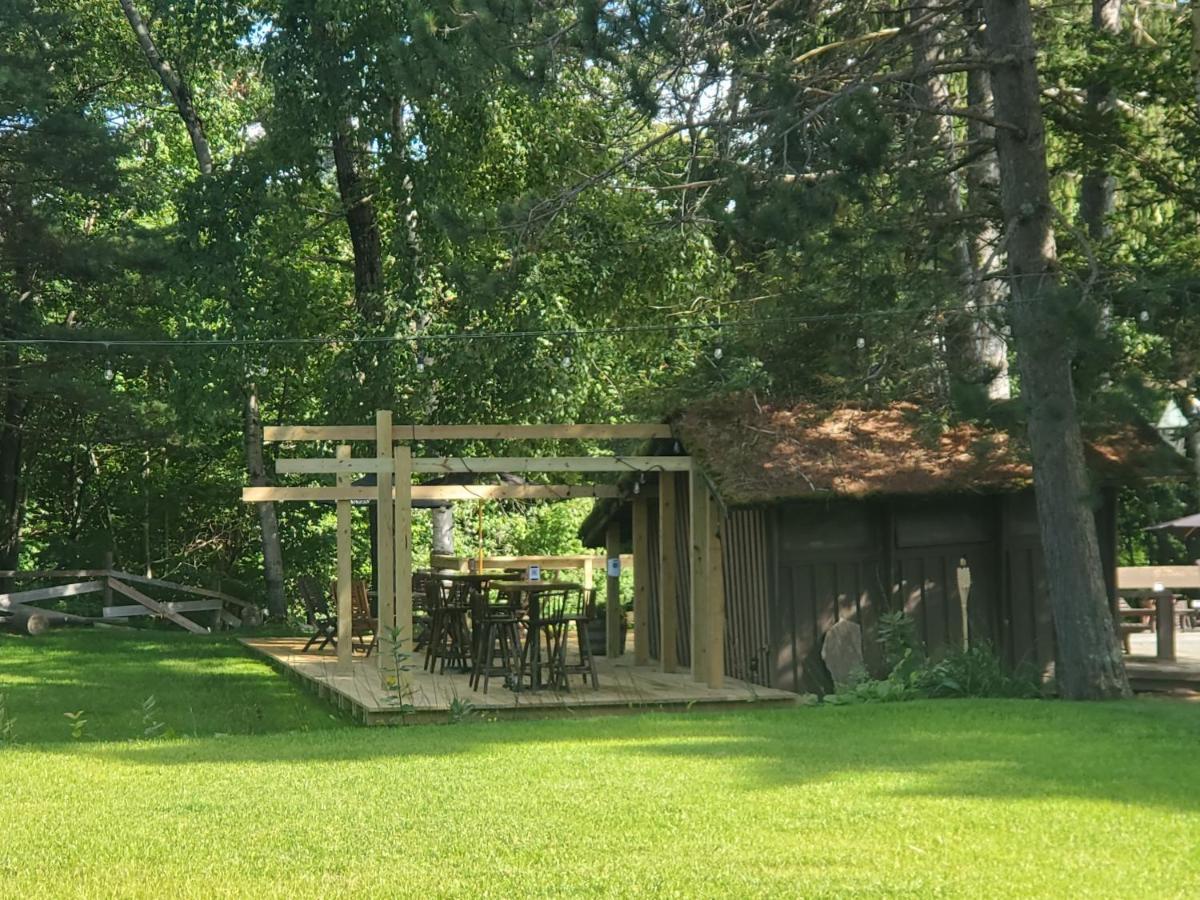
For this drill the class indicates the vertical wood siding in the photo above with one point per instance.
(747, 589)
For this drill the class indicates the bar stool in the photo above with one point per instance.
(575, 608)
(449, 634)
(499, 639)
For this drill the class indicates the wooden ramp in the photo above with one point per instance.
(624, 688)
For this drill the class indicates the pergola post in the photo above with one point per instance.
(345, 613)
(641, 581)
(403, 527)
(612, 595)
(668, 574)
(698, 541)
(384, 547)
(714, 659)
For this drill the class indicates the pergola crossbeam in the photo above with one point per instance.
(640, 431)
(445, 492)
(496, 464)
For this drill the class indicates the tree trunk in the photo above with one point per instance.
(976, 353)
(181, 94)
(1196, 53)
(1089, 663)
(267, 520)
(363, 226)
(13, 408)
(987, 290)
(1098, 185)
(374, 361)
(443, 530)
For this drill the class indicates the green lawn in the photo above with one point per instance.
(202, 686)
(963, 798)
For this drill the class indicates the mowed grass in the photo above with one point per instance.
(942, 798)
(201, 686)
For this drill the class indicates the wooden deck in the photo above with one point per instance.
(1146, 673)
(623, 688)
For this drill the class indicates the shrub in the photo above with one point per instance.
(976, 672)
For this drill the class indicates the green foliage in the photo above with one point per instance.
(152, 726)
(897, 635)
(977, 672)
(78, 724)
(8, 724)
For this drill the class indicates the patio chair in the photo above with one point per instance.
(316, 609)
(565, 609)
(449, 633)
(362, 623)
(497, 645)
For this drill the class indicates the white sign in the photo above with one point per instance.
(535, 573)
(614, 567)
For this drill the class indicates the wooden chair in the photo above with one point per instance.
(560, 611)
(449, 633)
(362, 622)
(497, 645)
(316, 608)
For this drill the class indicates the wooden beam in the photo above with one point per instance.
(714, 657)
(318, 466)
(154, 606)
(434, 492)
(493, 464)
(385, 547)
(50, 593)
(183, 588)
(1131, 579)
(307, 494)
(698, 557)
(513, 491)
(402, 455)
(334, 433)
(641, 581)
(345, 568)
(178, 606)
(639, 431)
(612, 592)
(439, 561)
(275, 433)
(668, 574)
(18, 574)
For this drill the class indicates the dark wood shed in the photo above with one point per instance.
(826, 515)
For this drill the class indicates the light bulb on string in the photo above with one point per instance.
(109, 374)
(861, 343)
(637, 487)
(1144, 316)
(566, 361)
(718, 353)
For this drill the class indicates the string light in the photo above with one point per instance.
(718, 353)
(675, 328)
(861, 343)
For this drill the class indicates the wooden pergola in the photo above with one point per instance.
(394, 467)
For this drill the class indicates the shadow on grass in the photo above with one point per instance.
(201, 685)
(947, 749)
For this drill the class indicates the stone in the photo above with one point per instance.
(842, 652)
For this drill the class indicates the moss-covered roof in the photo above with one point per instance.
(765, 453)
